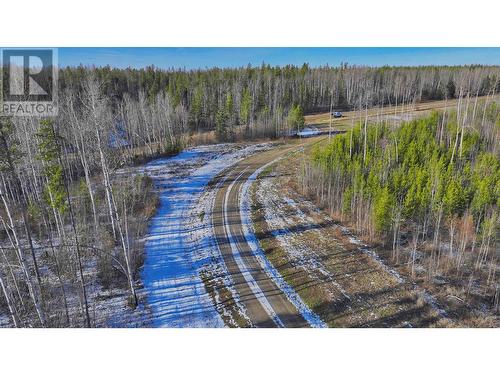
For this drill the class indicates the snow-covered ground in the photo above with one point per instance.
(309, 132)
(372, 254)
(4, 321)
(180, 245)
(107, 307)
(297, 248)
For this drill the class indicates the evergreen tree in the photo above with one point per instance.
(51, 155)
(245, 107)
(221, 130)
(383, 210)
(296, 118)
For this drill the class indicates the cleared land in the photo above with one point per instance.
(391, 113)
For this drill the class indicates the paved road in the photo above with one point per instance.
(265, 303)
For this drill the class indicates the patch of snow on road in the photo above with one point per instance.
(245, 212)
(178, 246)
(203, 238)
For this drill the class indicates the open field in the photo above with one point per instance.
(390, 113)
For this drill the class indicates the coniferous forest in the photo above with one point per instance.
(428, 191)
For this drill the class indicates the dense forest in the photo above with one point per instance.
(259, 98)
(70, 230)
(428, 189)
(70, 225)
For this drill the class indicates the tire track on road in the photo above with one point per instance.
(266, 304)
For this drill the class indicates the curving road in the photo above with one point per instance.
(266, 304)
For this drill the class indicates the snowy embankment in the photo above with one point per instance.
(180, 245)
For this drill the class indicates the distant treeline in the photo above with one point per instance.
(260, 97)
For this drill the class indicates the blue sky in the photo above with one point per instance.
(194, 58)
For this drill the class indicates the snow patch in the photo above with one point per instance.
(5, 321)
(245, 212)
(309, 132)
(179, 246)
(276, 217)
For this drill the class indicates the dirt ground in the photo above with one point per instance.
(340, 278)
